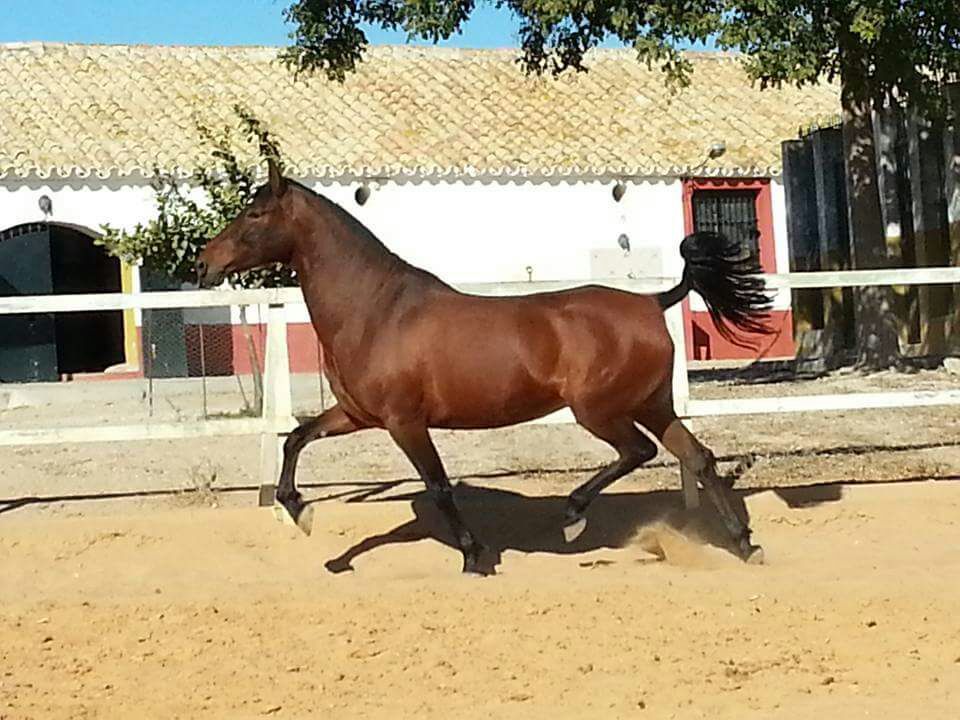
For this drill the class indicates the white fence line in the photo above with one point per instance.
(277, 419)
(273, 296)
(146, 431)
(821, 403)
(864, 278)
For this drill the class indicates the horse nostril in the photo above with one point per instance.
(201, 268)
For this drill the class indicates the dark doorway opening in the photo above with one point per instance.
(86, 341)
(40, 259)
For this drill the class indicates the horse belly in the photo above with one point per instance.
(496, 400)
(480, 418)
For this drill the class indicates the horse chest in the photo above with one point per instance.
(347, 399)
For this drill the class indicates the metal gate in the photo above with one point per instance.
(28, 347)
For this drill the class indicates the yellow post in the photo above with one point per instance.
(131, 347)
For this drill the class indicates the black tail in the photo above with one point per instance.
(727, 282)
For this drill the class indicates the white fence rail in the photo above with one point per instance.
(277, 418)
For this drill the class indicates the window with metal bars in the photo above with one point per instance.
(732, 213)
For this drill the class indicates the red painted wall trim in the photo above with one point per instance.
(706, 343)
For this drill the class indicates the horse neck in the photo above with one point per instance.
(349, 278)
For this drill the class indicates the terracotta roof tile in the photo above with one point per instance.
(117, 110)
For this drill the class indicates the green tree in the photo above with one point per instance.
(328, 35)
(884, 53)
(881, 51)
(191, 211)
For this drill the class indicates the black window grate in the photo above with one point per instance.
(732, 213)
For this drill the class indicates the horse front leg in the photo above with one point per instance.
(414, 439)
(331, 423)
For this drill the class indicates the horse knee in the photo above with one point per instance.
(293, 443)
(304, 434)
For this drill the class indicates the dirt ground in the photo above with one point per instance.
(140, 581)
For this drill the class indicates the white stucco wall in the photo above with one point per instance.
(90, 203)
(488, 231)
(476, 231)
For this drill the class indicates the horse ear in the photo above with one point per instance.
(278, 183)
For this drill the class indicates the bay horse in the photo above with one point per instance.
(406, 352)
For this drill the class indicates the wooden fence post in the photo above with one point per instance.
(681, 395)
(277, 402)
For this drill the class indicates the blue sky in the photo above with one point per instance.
(196, 22)
(202, 22)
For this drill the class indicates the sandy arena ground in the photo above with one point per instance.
(185, 601)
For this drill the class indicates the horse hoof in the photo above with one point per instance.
(476, 570)
(573, 530)
(480, 562)
(302, 517)
(754, 555)
(305, 519)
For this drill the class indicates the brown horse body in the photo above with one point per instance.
(500, 361)
(406, 352)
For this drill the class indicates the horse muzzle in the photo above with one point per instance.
(207, 276)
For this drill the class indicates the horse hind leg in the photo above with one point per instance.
(698, 459)
(633, 450)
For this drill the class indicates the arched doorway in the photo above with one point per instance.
(45, 258)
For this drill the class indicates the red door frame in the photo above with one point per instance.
(764, 210)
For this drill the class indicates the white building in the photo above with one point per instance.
(477, 172)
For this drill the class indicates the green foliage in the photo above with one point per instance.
(554, 34)
(877, 48)
(190, 212)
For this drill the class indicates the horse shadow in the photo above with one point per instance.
(506, 520)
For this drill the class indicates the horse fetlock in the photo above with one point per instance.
(290, 499)
(576, 506)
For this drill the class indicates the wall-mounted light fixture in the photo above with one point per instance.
(618, 191)
(46, 206)
(716, 150)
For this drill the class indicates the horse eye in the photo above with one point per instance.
(253, 214)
